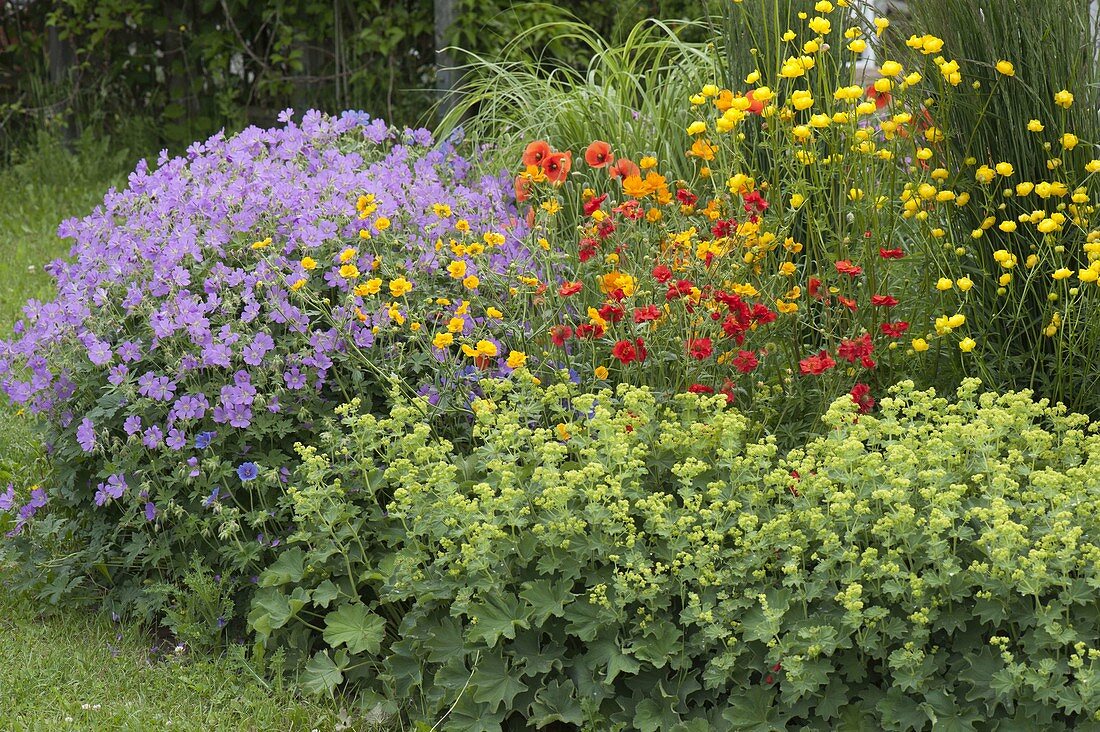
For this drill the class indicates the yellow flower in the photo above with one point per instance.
(697, 128)
(820, 26)
(471, 282)
(1069, 141)
(262, 244)
(1006, 68)
(1005, 169)
(647, 162)
(494, 313)
(616, 280)
(309, 263)
(1063, 99)
(964, 283)
(349, 271)
(551, 207)
(457, 269)
(400, 287)
(442, 210)
(966, 345)
(516, 359)
(890, 68)
(881, 24)
(297, 285)
(957, 320)
(1062, 273)
(1092, 166)
(371, 287)
(348, 254)
(600, 372)
(462, 225)
(1008, 226)
(1088, 275)
(486, 348)
(920, 345)
(492, 238)
(787, 269)
(857, 46)
(786, 307)
(382, 223)
(753, 77)
(944, 283)
(443, 340)
(395, 314)
(455, 325)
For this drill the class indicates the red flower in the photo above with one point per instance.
(556, 166)
(846, 267)
(816, 365)
(754, 204)
(851, 350)
(535, 153)
(847, 302)
(623, 168)
(727, 389)
(895, 330)
(598, 154)
(700, 389)
(686, 197)
(606, 229)
(761, 315)
(881, 99)
(612, 312)
(861, 395)
(626, 351)
(815, 285)
(891, 253)
(588, 330)
(680, 288)
(587, 249)
(559, 334)
(592, 204)
(629, 209)
(568, 289)
(886, 301)
(662, 274)
(699, 348)
(646, 314)
(746, 362)
(755, 107)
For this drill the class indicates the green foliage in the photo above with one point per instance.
(611, 561)
(1055, 49)
(198, 612)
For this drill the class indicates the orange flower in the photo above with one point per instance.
(624, 168)
(598, 154)
(523, 188)
(556, 166)
(535, 153)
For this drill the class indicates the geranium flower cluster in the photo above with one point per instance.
(221, 304)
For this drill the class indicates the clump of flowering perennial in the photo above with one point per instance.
(210, 313)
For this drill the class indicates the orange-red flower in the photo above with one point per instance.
(881, 99)
(699, 348)
(569, 289)
(817, 364)
(598, 154)
(755, 107)
(523, 188)
(535, 153)
(624, 168)
(556, 166)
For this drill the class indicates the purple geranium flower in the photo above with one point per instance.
(247, 471)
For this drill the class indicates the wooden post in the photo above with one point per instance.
(61, 59)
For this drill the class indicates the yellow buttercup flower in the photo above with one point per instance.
(600, 372)
(297, 285)
(400, 287)
(697, 128)
(944, 284)
(471, 282)
(1035, 125)
(1063, 99)
(456, 325)
(349, 271)
(443, 340)
(919, 345)
(516, 359)
(966, 345)
(348, 254)
(308, 263)
(457, 269)
(1006, 68)
(494, 313)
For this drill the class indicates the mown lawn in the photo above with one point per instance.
(72, 669)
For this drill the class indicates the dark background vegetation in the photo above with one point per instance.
(177, 72)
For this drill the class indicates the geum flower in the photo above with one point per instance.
(556, 166)
(626, 352)
(817, 364)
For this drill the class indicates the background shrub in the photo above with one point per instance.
(606, 560)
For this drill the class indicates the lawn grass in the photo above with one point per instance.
(70, 669)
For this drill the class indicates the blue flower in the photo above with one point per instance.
(202, 440)
(247, 471)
